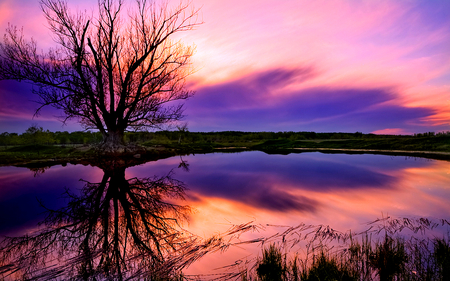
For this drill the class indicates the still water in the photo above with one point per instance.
(222, 190)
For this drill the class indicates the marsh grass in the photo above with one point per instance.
(328, 267)
(390, 249)
(272, 266)
(387, 259)
(29, 153)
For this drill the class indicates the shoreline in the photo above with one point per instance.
(376, 151)
(154, 154)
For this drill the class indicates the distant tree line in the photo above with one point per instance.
(238, 136)
(37, 135)
(432, 134)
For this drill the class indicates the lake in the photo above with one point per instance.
(271, 192)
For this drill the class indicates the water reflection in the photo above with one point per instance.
(123, 220)
(340, 190)
(113, 229)
(288, 183)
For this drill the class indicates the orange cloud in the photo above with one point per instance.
(392, 131)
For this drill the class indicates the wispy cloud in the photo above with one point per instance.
(313, 65)
(249, 104)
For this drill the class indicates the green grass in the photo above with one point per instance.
(173, 142)
(271, 142)
(30, 153)
(441, 144)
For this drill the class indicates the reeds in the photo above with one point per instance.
(388, 259)
(382, 252)
(389, 249)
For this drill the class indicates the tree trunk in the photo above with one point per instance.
(113, 142)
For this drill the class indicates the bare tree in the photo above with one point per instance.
(110, 74)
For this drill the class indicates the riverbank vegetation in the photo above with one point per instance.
(39, 144)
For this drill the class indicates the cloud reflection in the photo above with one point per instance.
(284, 183)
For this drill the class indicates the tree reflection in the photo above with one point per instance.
(116, 229)
(37, 171)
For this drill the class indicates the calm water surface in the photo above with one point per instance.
(225, 189)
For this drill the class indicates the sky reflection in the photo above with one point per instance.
(224, 189)
(22, 191)
(339, 189)
(303, 185)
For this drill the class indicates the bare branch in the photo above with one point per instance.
(105, 71)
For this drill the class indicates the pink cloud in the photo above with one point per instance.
(26, 14)
(366, 44)
(392, 131)
(399, 45)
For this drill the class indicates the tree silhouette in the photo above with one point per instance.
(109, 73)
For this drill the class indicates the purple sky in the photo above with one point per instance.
(293, 65)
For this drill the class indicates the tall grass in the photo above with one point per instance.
(391, 249)
(391, 258)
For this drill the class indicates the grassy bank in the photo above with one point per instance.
(430, 145)
(52, 153)
(435, 143)
(271, 141)
(47, 146)
(49, 155)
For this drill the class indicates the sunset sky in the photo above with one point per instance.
(293, 65)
